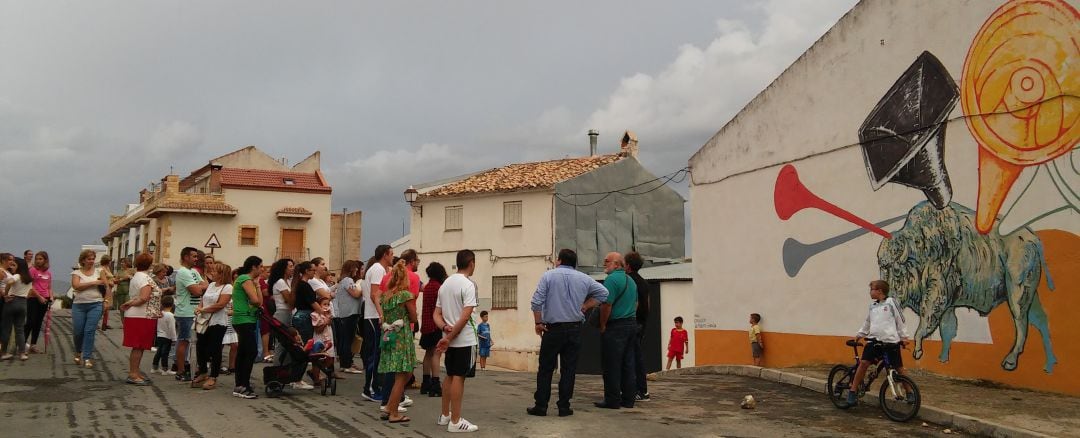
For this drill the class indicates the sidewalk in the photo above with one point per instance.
(975, 407)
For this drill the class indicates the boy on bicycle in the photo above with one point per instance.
(885, 333)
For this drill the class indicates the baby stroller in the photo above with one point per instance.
(295, 364)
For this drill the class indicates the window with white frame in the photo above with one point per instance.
(504, 292)
(454, 217)
(512, 214)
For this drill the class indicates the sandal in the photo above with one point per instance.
(269, 358)
(403, 419)
(131, 381)
(209, 384)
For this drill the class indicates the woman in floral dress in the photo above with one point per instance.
(398, 354)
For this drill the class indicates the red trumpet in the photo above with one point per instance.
(790, 196)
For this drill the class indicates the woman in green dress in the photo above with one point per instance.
(398, 354)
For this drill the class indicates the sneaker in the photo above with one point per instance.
(155, 370)
(302, 385)
(87, 363)
(248, 394)
(24, 356)
(353, 370)
(462, 426)
(642, 397)
(852, 398)
(7, 356)
(406, 402)
(237, 390)
(400, 409)
(168, 372)
(371, 397)
(443, 420)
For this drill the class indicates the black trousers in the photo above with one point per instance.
(617, 358)
(561, 344)
(344, 333)
(35, 315)
(369, 352)
(162, 356)
(208, 350)
(639, 361)
(247, 350)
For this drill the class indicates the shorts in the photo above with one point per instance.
(429, 340)
(485, 351)
(875, 350)
(459, 360)
(672, 354)
(755, 350)
(183, 327)
(230, 336)
(140, 333)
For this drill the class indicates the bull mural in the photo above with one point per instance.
(939, 261)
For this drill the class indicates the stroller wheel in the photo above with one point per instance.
(274, 389)
(326, 384)
(333, 388)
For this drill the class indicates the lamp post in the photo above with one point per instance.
(410, 196)
(151, 247)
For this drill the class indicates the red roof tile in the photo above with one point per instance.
(271, 179)
(522, 176)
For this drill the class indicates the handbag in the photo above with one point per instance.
(202, 322)
(593, 317)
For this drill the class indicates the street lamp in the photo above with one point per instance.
(151, 247)
(410, 196)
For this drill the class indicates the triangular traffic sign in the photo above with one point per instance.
(212, 242)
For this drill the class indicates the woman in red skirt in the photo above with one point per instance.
(139, 329)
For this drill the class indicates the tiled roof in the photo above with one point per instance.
(295, 210)
(523, 176)
(272, 179)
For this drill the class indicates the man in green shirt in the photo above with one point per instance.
(618, 326)
(188, 284)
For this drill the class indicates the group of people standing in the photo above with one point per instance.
(25, 297)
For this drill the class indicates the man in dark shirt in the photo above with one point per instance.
(634, 261)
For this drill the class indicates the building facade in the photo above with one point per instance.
(931, 144)
(239, 204)
(517, 217)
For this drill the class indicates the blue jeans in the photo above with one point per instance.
(617, 357)
(85, 318)
(301, 321)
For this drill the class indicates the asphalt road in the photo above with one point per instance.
(50, 396)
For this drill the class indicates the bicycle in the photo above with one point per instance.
(899, 396)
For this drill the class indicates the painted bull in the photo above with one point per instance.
(938, 262)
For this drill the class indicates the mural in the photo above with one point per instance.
(1020, 96)
(1019, 93)
(938, 262)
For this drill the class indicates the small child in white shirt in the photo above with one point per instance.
(166, 336)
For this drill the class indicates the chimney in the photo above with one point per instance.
(592, 141)
(629, 144)
(215, 178)
(144, 194)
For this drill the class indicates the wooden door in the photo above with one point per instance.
(292, 245)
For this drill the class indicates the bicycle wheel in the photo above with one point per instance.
(902, 405)
(838, 386)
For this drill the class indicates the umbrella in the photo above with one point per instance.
(48, 324)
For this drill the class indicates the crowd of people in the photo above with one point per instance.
(213, 306)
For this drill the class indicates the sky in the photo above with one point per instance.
(98, 99)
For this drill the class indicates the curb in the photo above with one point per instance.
(954, 420)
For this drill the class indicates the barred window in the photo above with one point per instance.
(504, 292)
(454, 217)
(512, 214)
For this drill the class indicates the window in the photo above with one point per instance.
(512, 214)
(288, 181)
(504, 292)
(249, 235)
(453, 218)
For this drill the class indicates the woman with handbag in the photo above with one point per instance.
(90, 286)
(140, 329)
(210, 325)
(246, 301)
(398, 352)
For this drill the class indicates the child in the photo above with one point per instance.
(757, 345)
(166, 336)
(678, 344)
(232, 340)
(885, 332)
(321, 322)
(484, 333)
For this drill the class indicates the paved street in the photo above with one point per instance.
(50, 396)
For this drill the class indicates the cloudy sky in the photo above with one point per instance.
(97, 99)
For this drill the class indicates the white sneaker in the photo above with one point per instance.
(462, 426)
(302, 385)
(406, 402)
(443, 420)
(168, 372)
(400, 409)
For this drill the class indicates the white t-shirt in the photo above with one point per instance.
(166, 326)
(279, 299)
(138, 281)
(18, 288)
(210, 297)
(372, 279)
(89, 295)
(455, 294)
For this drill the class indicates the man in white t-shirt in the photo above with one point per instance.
(369, 350)
(453, 315)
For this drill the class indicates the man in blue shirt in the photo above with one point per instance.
(618, 327)
(559, 304)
